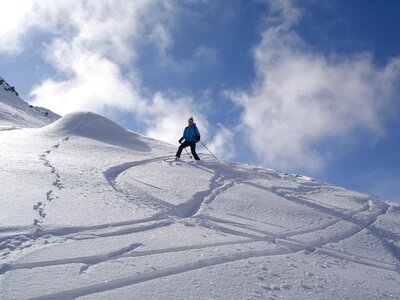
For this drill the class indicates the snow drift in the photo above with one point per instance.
(96, 127)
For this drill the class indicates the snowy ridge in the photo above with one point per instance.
(104, 213)
(6, 87)
(93, 126)
(16, 113)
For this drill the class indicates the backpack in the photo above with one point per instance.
(196, 133)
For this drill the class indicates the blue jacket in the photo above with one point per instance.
(191, 133)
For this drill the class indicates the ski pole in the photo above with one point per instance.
(209, 150)
(188, 153)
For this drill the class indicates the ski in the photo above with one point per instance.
(171, 160)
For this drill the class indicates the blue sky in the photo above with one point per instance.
(308, 87)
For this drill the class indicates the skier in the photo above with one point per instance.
(191, 135)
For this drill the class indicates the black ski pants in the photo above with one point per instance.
(192, 149)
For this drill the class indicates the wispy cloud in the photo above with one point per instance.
(166, 117)
(223, 144)
(13, 20)
(91, 47)
(302, 98)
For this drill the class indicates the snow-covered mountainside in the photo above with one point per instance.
(16, 113)
(90, 210)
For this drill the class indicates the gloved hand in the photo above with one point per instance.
(180, 141)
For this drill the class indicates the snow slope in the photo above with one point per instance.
(90, 210)
(16, 113)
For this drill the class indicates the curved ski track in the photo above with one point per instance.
(191, 212)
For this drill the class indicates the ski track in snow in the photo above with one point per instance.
(190, 212)
(184, 210)
(8, 128)
(286, 247)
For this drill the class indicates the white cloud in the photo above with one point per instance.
(301, 98)
(94, 83)
(166, 118)
(12, 24)
(222, 145)
(90, 45)
(161, 38)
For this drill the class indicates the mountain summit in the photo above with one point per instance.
(90, 210)
(5, 86)
(16, 113)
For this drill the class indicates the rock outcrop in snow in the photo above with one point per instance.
(5, 86)
(16, 113)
